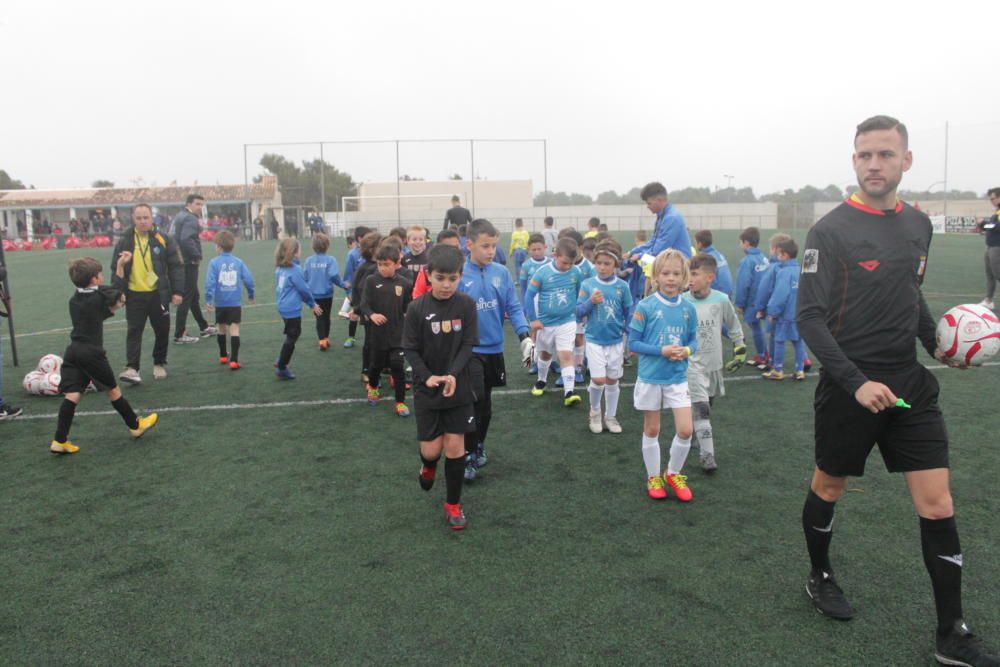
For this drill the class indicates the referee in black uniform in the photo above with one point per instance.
(859, 309)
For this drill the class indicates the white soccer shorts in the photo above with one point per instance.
(557, 338)
(605, 361)
(660, 396)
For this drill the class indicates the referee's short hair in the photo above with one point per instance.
(444, 258)
(651, 190)
(882, 123)
(83, 270)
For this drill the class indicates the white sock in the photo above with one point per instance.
(578, 355)
(543, 369)
(595, 391)
(611, 394)
(651, 455)
(569, 377)
(703, 429)
(678, 455)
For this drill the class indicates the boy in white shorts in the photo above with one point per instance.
(550, 304)
(664, 334)
(606, 303)
(705, 380)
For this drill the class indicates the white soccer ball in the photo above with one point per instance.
(969, 334)
(32, 382)
(50, 363)
(50, 384)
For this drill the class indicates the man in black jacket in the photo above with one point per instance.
(457, 215)
(186, 232)
(154, 279)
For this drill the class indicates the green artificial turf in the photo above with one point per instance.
(267, 522)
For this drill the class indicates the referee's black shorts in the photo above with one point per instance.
(83, 363)
(432, 424)
(908, 439)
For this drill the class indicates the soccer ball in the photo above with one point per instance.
(33, 382)
(50, 363)
(50, 384)
(969, 334)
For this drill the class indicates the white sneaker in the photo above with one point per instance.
(185, 339)
(987, 303)
(613, 425)
(209, 331)
(595, 422)
(130, 376)
(159, 372)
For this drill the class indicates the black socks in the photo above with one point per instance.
(66, 411)
(943, 558)
(817, 523)
(234, 343)
(221, 338)
(125, 410)
(454, 475)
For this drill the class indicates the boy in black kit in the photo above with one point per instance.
(85, 359)
(384, 298)
(439, 333)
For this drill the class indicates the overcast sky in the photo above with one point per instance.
(768, 93)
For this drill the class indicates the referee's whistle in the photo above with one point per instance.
(900, 403)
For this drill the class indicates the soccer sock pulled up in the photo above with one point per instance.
(543, 370)
(703, 428)
(454, 475)
(943, 559)
(568, 378)
(651, 454)
(611, 394)
(221, 339)
(125, 410)
(817, 523)
(579, 353)
(679, 449)
(595, 391)
(66, 411)
(234, 344)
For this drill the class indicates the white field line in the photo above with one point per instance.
(358, 401)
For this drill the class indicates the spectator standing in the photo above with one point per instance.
(186, 232)
(457, 215)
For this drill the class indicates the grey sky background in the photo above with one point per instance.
(624, 92)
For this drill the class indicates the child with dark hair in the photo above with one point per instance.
(350, 268)
(225, 278)
(723, 276)
(421, 282)
(748, 278)
(781, 310)
(439, 332)
(85, 360)
(384, 298)
(321, 273)
(367, 248)
(291, 291)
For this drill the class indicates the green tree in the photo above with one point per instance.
(691, 196)
(549, 198)
(577, 199)
(609, 198)
(8, 183)
(733, 196)
(102, 183)
(455, 177)
(300, 186)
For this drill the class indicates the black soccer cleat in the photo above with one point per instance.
(827, 596)
(961, 647)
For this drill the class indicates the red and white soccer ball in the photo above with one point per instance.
(50, 384)
(969, 334)
(50, 363)
(33, 382)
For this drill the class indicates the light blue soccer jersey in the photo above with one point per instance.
(551, 295)
(606, 321)
(531, 265)
(659, 321)
(587, 268)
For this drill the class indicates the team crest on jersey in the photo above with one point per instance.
(446, 326)
(399, 290)
(810, 260)
(456, 325)
(497, 282)
(436, 327)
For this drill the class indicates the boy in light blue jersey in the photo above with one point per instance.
(536, 260)
(492, 289)
(550, 304)
(606, 303)
(781, 310)
(763, 295)
(225, 279)
(723, 276)
(587, 270)
(664, 334)
(321, 274)
(351, 264)
(705, 378)
(747, 281)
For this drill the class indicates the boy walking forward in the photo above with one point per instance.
(85, 360)
(439, 333)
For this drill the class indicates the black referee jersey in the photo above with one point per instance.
(859, 302)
